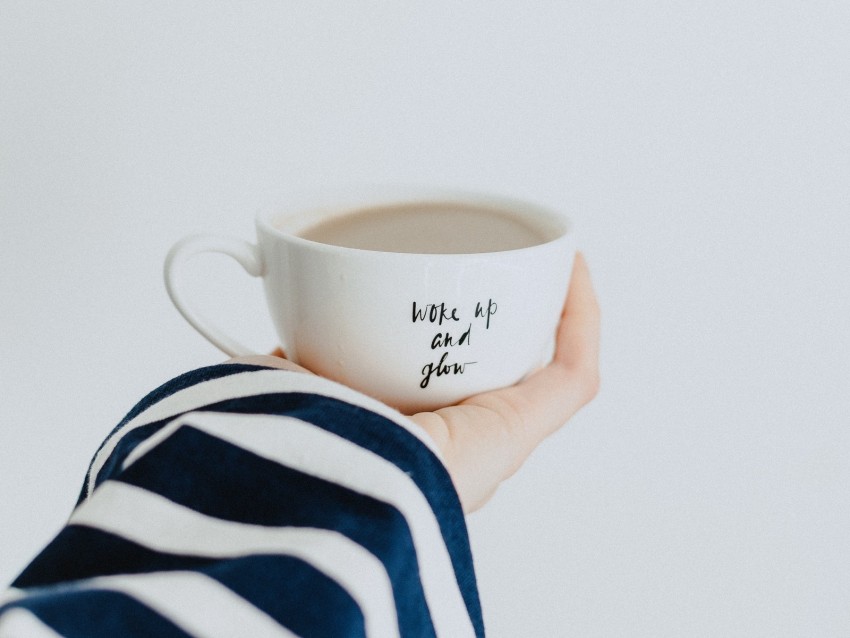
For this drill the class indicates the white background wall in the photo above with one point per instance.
(703, 150)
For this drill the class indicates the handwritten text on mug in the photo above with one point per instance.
(440, 313)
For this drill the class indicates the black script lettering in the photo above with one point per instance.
(434, 313)
(489, 312)
(445, 340)
(442, 368)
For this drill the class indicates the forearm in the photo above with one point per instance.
(236, 481)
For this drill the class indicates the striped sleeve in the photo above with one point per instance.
(240, 500)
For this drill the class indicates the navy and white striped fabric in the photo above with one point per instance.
(247, 501)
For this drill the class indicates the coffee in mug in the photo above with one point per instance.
(417, 298)
(433, 228)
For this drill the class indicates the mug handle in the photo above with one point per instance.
(247, 254)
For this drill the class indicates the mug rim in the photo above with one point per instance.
(313, 206)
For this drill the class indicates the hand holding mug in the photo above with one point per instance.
(420, 299)
(487, 437)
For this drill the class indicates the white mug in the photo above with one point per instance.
(416, 330)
